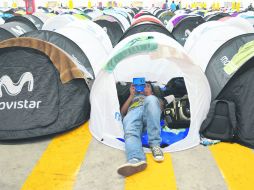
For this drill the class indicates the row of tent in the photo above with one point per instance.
(77, 56)
(118, 22)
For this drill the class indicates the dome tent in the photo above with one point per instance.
(216, 68)
(74, 51)
(158, 12)
(165, 17)
(13, 29)
(215, 16)
(147, 18)
(43, 16)
(117, 14)
(37, 105)
(57, 22)
(174, 20)
(92, 46)
(238, 22)
(184, 27)
(230, 74)
(141, 55)
(31, 20)
(95, 30)
(112, 26)
(146, 24)
(214, 33)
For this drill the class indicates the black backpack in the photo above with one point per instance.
(220, 123)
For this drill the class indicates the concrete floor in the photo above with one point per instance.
(194, 169)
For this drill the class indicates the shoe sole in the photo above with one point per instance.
(128, 169)
(159, 160)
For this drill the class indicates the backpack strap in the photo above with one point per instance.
(232, 115)
(209, 118)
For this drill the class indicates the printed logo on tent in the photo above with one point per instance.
(118, 116)
(13, 89)
(187, 33)
(224, 60)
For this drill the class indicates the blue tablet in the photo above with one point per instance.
(139, 84)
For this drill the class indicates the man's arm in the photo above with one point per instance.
(127, 103)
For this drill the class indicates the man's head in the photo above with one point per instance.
(148, 89)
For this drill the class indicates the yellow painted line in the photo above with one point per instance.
(236, 163)
(157, 176)
(60, 163)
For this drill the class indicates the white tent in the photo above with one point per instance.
(239, 23)
(156, 57)
(57, 22)
(44, 16)
(249, 16)
(95, 30)
(207, 38)
(91, 46)
(121, 18)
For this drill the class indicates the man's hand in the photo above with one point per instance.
(127, 103)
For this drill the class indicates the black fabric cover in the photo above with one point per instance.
(114, 30)
(146, 27)
(24, 19)
(158, 13)
(215, 73)
(240, 90)
(216, 16)
(35, 20)
(5, 34)
(187, 24)
(220, 123)
(35, 102)
(65, 44)
(15, 29)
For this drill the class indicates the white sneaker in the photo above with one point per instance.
(131, 167)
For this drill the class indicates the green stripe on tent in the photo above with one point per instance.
(244, 54)
(137, 45)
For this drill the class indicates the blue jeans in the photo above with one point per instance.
(136, 121)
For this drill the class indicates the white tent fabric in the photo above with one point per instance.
(1, 21)
(168, 60)
(91, 46)
(120, 17)
(43, 16)
(126, 10)
(95, 30)
(207, 38)
(95, 14)
(240, 23)
(249, 16)
(58, 22)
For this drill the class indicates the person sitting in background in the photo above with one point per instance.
(142, 110)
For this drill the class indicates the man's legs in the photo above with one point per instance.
(151, 115)
(133, 126)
